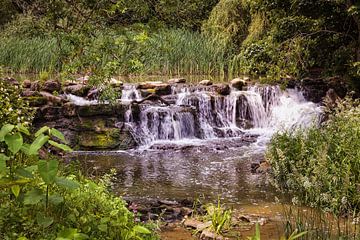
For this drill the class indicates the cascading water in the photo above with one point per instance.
(202, 114)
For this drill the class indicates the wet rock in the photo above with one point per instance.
(80, 90)
(35, 86)
(222, 89)
(102, 110)
(264, 167)
(146, 92)
(69, 109)
(51, 86)
(239, 83)
(36, 101)
(163, 89)
(52, 99)
(93, 94)
(206, 83)
(106, 140)
(150, 85)
(26, 83)
(176, 80)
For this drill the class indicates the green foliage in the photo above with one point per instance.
(13, 108)
(38, 202)
(219, 216)
(321, 166)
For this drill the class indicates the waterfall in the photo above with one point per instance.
(200, 113)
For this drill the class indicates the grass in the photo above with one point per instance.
(167, 52)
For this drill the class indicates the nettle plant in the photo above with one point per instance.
(21, 168)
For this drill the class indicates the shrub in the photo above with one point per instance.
(321, 166)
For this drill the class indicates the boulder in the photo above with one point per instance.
(176, 80)
(52, 98)
(80, 90)
(26, 83)
(150, 85)
(222, 89)
(116, 83)
(11, 81)
(238, 83)
(93, 94)
(29, 93)
(205, 83)
(51, 86)
(35, 86)
(163, 89)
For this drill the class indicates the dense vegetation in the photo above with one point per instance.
(269, 39)
(40, 197)
(321, 165)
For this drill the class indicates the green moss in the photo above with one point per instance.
(105, 140)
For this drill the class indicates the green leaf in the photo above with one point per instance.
(44, 221)
(15, 190)
(41, 131)
(56, 133)
(23, 129)
(7, 182)
(66, 183)
(56, 199)
(33, 197)
(141, 229)
(24, 173)
(22, 238)
(5, 130)
(14, 142)
(48, 170)
(102, 227)
(3, 159)
(38, 143)
(25, 148)
(61, 146)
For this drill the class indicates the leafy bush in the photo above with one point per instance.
(13, 108)
(38, 202)
(321, 166)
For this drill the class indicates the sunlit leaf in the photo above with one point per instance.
(54, 132)
(14, 142)
(38, 143)
(48, 170)
(15, 190)
(5, 130)
(41, 131)
(141, 229)
(23, 129)
(60, 146)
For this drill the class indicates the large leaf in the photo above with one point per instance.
(14, 142)
(48, 170)
(54, 132)
(3, 159)
(5, 130)
(7, 182)
(38, 143)
(25, 148)
(24, 173)
(56, 199)
(141, 229)
(44, 221)
(33, 197)
(15, 190)
(23, 129)
(66, 183)
(41, 131)
(61, 146)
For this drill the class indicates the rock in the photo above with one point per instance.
(208, 235)
(146, 92)
(51, 98)
(222, 89)
(192, 223)
(36, 101)
(80, 90)
(26, 83)
(176, 80)
(69, 109)
(116, 83)
(83, 79)
(163, 89)
(11, 81)
(238, 83)
(29, 93)
(264, 167)
(150, 85)
(35, 86)
(206, 83)
(95, 141)
(93, 94)
(51, 86)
